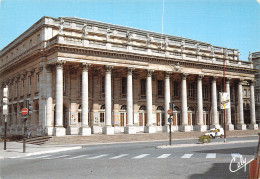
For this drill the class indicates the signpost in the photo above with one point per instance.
(170, 112)
(5, 111)
(24, 112)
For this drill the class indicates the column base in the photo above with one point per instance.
(129, 130)
(230, 127)
(149, 129)
(166, 128)
(85, 131)
(96, 130)
(59, 131)
(201, 128)
(73, 130)
(108, 130)
(49, 131)
(253, 126)
(241, 127)
(185, 128)
(215, 126)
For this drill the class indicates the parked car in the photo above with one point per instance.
(215, 132)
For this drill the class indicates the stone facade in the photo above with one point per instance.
(86, 77)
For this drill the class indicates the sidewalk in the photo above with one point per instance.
(65, 143)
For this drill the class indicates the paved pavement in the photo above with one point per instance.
(58, 144)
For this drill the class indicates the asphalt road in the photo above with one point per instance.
(135, 160)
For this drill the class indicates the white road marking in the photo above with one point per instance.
(80, 156)
(164, 156)
(141, 156)
(235, 155)
(99, 156)
(211, 155)
(38, 157)
(187, 156)
(57, 157)
(119, 156)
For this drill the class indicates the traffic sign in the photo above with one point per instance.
(24, 111)
(170, 112)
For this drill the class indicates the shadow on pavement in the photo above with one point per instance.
(240, 150)
(221, 170)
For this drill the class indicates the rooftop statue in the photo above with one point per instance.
(250, 57)
(128, 37)
(85, 30)
(148, 41)
(61, 26)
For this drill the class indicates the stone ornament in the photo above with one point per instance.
(149, 72)
(60, 63)
(85, 66)
(166, 43)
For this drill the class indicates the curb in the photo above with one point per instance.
(202, 145)
(54, 151)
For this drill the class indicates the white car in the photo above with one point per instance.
(215, 132)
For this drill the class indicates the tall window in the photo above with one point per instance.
(143, 87)
(160, 87)
(29, 84)
(38, 80)
(191, 91)
(124, 86)
(80, 84)
(205, 91)
(64, 82)
(22, 87)
(176, 91)
(103, 84)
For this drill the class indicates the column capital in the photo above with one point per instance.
(85, 66)
(214, 78)
(149, 72)
(252, 82)
(167, 74)
(109, 68)
(49, 68)
(228, 79)
(60, 63)
(240, 81)
(184, 75)
(200, 76)
(130, 70)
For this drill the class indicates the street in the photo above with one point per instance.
(136, 160)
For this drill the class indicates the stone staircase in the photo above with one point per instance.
(37, 140)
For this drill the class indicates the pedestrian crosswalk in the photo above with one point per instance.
(129, 156)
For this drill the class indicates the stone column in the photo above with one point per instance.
(240, 125)
(59, 130)
(214, 104)
(184, 115)
(85, 129)
(49, 105)
(129, 129)
(108, 129)
(200, 125)
(230, 126)
(167, 100)
(149, 128)
(252, 124)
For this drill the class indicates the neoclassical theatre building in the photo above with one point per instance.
(86, 77)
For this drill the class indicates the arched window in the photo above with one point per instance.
(160, 116)
(123, 107)
(191, 116)
(142, 116)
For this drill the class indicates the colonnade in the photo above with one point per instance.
(149, 128)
